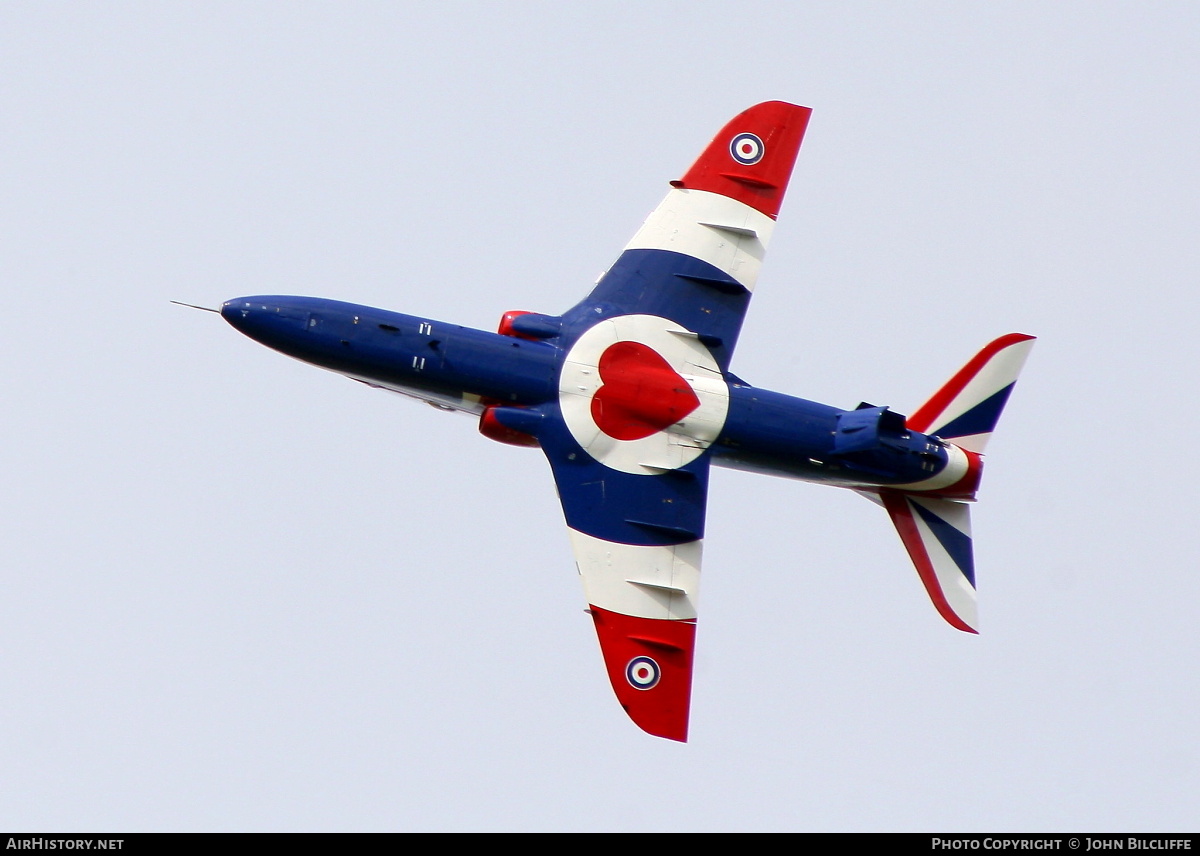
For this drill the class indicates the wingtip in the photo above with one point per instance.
(752, 156)
(678, 735)
(649, 664)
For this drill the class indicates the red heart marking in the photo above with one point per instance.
(641, 394)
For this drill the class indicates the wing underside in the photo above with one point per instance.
(643, 602)
(637, 541)
(643, 395)
(696, 259)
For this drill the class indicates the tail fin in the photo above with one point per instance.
(937, 531)
(965, 410)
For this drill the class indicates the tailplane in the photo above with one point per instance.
(937, 534)
(965, 410)
(937, 531)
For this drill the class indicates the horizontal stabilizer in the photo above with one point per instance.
(937, 535)
(966, 409)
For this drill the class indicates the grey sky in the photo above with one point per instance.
(241, 593)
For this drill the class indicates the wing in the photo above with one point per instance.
(643, 395)
(696, 259)
(637, 541)
(638, 407)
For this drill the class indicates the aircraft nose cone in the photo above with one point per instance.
(257, 316)
(250, 316)
(242, 313)
(278, 322)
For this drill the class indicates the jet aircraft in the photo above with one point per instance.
(630, 397)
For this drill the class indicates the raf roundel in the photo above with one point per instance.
(747, 149)
(642, 673)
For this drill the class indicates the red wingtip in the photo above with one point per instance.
(751, 159)
(649, 663)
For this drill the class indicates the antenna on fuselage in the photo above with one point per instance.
(194, 306)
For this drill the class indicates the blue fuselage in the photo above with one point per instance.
(460, 368)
